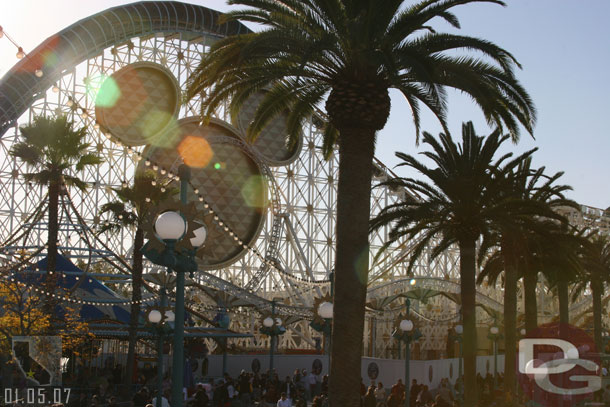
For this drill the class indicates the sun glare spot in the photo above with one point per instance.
(150, 123)
(105, 90)
(253, 191)
(361, 266)
(195, 151)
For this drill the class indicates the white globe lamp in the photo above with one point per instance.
(325, 310)
(268, 322)
(170, 316)
(494, 330)
(170, 226)
(200, 235)
(406, 325)
(459, 329)
(154, 316)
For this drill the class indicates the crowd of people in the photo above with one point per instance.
(376, 395)
(250, 389)
(102, 389)
(301, 389)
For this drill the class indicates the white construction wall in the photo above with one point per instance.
(428, 372)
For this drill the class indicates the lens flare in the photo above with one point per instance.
(361, 266)
(150, 123)
(50, 59)
(169, 138)
(195, 151)
(253, 192)
(105, 89)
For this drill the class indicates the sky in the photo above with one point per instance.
(562, 45)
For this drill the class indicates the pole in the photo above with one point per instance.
(407, 378)
(178, 360)
(461, 380)
(407, 358)
(160, 352)
(272, 345)
(331, 277)
(224, 356)
(495, 361)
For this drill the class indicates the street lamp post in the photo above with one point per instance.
(178, 373)
(272, 327)
(325, 311)
(605, 340)
(170, 227)
(459, 330)
(494, 334)
(323, 316)
(158, 317)
(406, 334)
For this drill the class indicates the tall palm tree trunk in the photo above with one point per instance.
(352, 262)
(596, 293)
(510, 321)
(469, 319)
(53, 230)
(136, 296)
(564, 302)
(530, 280)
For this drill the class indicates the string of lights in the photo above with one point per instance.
(9, 272)
(20, 52)
(222, 224)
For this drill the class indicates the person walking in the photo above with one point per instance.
(369, 398)
(305, 385)
(380, 395)
(284, 401)
(414, 392)
(288, 388)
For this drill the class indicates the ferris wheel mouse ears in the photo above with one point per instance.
(272, 144)
(138, 103)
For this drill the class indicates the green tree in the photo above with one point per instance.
(461, 199)
(349, 53)
(55, 153)
(132, 210)
(596, 273)
(559, 259)
(571, 249)
(526, 246)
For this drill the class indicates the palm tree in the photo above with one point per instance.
(131, 210)
(559, 259)
(596, 272)
(462, 200)
(554, 254)
(55, 152)
(516, 256)
(515, 241)
(349, 54)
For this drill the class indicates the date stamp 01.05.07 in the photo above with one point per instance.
(35, 396)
